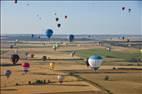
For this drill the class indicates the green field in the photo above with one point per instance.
(128, 56)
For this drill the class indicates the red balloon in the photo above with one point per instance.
(26, 64)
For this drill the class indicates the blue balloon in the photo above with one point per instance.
(71, 38)
(49, 33)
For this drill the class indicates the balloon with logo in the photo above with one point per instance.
(15, 58)
(25, 67)
(7, 73)
(49, 33)
(95, 61)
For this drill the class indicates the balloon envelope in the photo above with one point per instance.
(58, 25)
(26, 67)
(57, 19)
(129, 10)
(15, 58)
(95, 61)
(66, 17)
(71, 38)
(15, 1)
(49, 33)
(7, 73)
(123, 8)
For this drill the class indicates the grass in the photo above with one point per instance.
(113, 54)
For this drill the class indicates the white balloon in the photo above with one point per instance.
(95, 62)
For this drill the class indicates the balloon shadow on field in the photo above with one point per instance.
(9, 65)
(80, 85)
(40, 73)
(75, 92)
(8, 89)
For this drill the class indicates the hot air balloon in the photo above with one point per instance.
(49, 33)
(15, 1)
(57, 45)
(16, 40)
(71, 38)
(72, 53)
(25, 67)
(57, 19)
(95, 61)
(15, 58)
(141, 51)
(54, 47)
(32, 35)
(66, 17)
(60, 78)
(52, 65)
(129, 10)
(123, 8)
(26, 54)
(7, 73)
(58, 25)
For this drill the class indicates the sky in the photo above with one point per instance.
(84, 17)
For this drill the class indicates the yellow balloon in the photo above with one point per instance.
(141, 51)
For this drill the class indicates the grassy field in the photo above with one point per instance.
(125, 55)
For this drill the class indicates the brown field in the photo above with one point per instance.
(78, 78)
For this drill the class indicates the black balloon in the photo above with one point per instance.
(15, 58)
(66, 17)
(123, 8)
(57, 19)
(58, 25)
(129, 10)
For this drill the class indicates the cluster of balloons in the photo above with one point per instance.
(94, 62)
(57, 20)
(129, 9)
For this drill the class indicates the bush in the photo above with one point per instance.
(106, 77)
(44, 58)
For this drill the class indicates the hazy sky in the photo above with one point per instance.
(84, 17)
